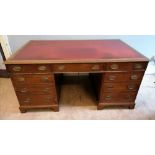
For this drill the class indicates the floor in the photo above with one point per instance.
(80, 104)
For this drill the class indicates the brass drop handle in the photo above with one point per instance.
(131, 87)
(134, 77)
(48, 99)
(42, 68)
(21, 79)
(45, 79)
(138, 66)
(112, 77)
(55, 99)
(24, 90)
(61, 67)
(128, 97)
(17, 68)
(114, 66)
(110, 86)
(46, 90)
(108, 97)
(95, 67)
(27, 100)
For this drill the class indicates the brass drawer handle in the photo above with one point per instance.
(46, 89)
(134, 77)
(114, 66)
(42, 68)
(95, 67)
(128, 97)
(24, 90)
(112, 77)
(61, 67)
(108, 97)
(21, 79)
(47, 99)
(131, 87)
(45, 79)
(17, 68)
(55, 100)
(27, 100)
(138, 66)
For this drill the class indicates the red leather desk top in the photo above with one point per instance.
(76, 51)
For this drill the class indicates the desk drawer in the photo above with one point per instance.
(119, 97)
(36, 89)
(109, 87)
(123, 77)
(78, 67)
(18, 79)
(139, 65)
(36, 100)
(28, 68)
(126, 66)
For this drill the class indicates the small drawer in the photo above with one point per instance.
(109, 87)
(139, 66)
(38, 79)
(135, 76)
(36, 100)
(119, 66)
(119, 97)
(123, 77)
(127, 66)
(28, 68)
(78, 67)
(18, 79)
(35, 89)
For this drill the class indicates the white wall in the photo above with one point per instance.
(2, 66)
(143, 43)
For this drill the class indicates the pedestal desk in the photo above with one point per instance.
(115, 70)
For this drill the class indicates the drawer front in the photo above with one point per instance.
(139, 65)
(123, 77)
(18, 79)
(126, 66)
(109, 87)
(33, 100)
(35, 89)
(119, 97)
(77, 67)
(119, 66)
(28, 68)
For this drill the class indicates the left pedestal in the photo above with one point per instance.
(35, 87)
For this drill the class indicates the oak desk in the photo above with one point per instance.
(116, 71)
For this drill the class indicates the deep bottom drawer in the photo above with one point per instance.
(37, 99)
(118, 97)
(128, 105)
(36, 89)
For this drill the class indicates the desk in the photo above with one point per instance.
(115, 69)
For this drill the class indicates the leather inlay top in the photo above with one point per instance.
(76, 50)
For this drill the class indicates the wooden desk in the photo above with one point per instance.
(116, 71)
